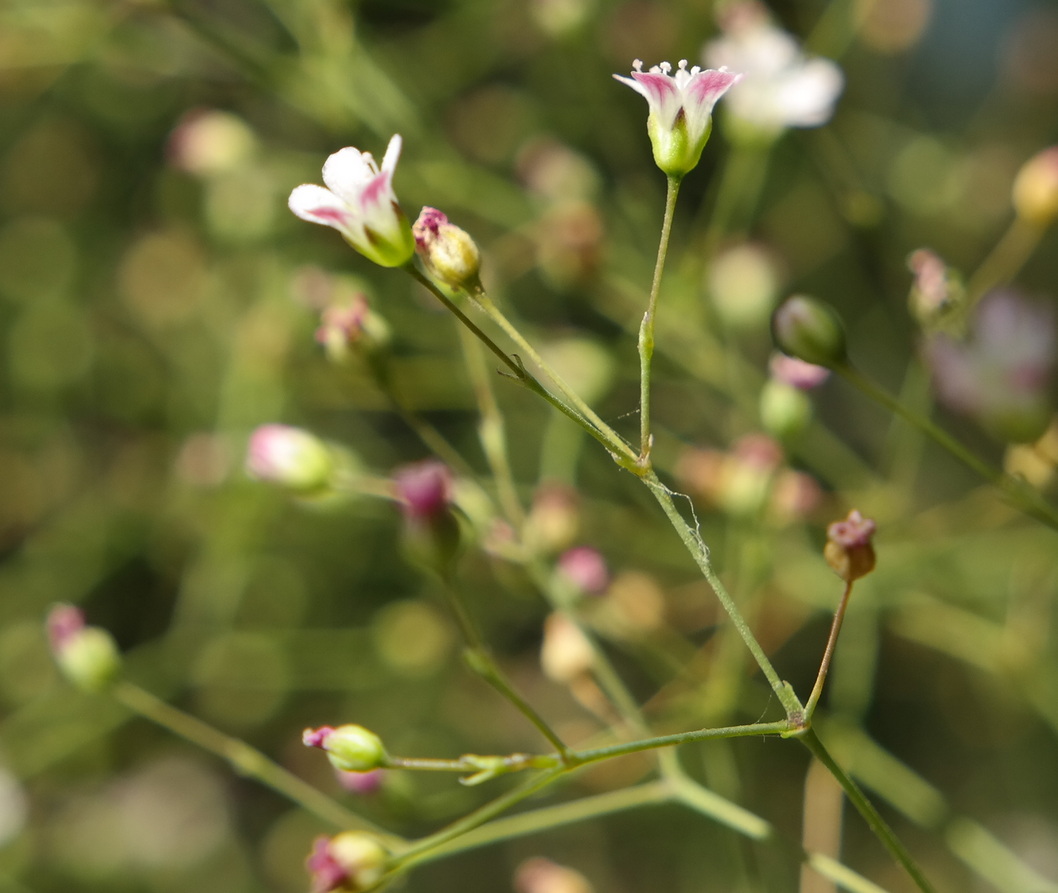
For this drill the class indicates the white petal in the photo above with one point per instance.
(389, 161)
(319, 205)
(347, 172)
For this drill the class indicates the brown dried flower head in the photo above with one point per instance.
(849, 551)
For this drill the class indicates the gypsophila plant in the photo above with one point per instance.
(632, 527)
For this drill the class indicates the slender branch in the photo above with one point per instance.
(646, 328)
(243, 758)
(482, 663)
(700, 553)
(609, 439)
(874, 820)
(491, 430)
(828, 653)
(1004, 261)
(494, 313)
(1023, 496)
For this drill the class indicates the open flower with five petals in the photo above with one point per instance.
(681, 110)
(360, 204)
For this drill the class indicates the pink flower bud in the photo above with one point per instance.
(350, 748)
(448, 253)
(290, 457)
(87, 655)
(849, 550)
(352, 861)
(585, 568)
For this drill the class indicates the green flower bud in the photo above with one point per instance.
(87, 655)
(809, 330)
(448, 253)
(784, 409)
(350, 748)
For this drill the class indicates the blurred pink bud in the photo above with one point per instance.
(207, 142)
(424, 489)
(363, 783)
(795, 372)
(585, 568)
(541, 875)
(289, 457)
(352, 861)
(87, 655)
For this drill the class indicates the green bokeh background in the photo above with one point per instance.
(152, 316)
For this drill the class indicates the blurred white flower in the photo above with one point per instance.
(781, 87)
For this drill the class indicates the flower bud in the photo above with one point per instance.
(541, 875)
(809, 330)
(353, 328)
(784, 409)
(448, 253)
(351, 861)
(350, 748)
(87, 655)
(291, 458)
(585, 569)
(849, 551)
(431, 531)
(1035, 193)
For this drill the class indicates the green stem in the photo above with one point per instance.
(422, 849)
(620, 450)
(1004, 261)
(481, 298)
(492, 432)
(700, 553)
(619, 750)
(551, 817)
(874, 820)
(828, 653)
(244, 759)
(646, 328)
(1023, 496)
(482, 663)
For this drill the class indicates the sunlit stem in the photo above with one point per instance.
(244, 759)
(874, 820)
(1021, 495)
(828, 653)
(492, 431)
(617, 448)
(481, 298)
(700, 553)
(422, 850)
(646, 328)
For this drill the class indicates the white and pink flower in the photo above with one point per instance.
(359, 202)
(681, 109)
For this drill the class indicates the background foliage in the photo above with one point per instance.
(153, 314)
